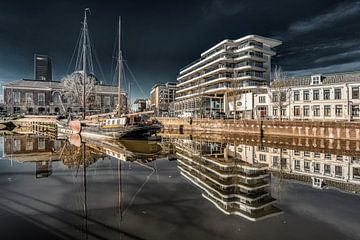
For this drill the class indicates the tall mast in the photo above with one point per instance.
(84, 60)
(119, 70)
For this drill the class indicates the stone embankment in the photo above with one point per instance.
(317, 129)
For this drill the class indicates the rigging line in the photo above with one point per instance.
(73, 54)
(89, 52)
(114, 76)
(136, 82)
(98, 62)
(79, 52)
(113, 59)
(141, 187)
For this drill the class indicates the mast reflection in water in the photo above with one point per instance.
(86, 189)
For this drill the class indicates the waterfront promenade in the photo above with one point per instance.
(317, 129)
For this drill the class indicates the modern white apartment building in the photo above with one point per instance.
(162, 97)
(229, 67)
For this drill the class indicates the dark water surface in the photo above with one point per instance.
(181, 188)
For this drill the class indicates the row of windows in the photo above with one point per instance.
(327, 167)
(327, 156)
(326, 94)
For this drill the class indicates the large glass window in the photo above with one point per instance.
(41, 99)
(16, 96)
(28, 98)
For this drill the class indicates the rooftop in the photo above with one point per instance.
(331, 78)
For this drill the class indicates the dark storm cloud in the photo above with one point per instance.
(160, 37)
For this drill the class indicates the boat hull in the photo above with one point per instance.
(128, 132)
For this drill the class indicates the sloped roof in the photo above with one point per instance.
(328, 79)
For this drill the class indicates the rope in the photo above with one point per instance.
(136, 82)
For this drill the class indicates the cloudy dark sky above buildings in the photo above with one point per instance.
(160, 37)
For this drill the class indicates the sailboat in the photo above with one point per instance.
(121, 126)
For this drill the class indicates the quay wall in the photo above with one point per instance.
(316, 129)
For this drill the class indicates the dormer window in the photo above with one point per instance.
(316, 79)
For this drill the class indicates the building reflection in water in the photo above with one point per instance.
(234, 186)
(234, 172)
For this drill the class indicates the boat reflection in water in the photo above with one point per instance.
(44, 151)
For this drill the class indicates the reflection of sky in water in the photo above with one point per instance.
(156, 203)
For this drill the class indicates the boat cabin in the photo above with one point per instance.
(114, 122)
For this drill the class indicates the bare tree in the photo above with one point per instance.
(279, 91)
(73, 87)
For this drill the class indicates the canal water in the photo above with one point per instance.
(183, 187)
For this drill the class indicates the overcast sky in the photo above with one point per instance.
(160, 37)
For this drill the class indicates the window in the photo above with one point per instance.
(327, 111)
(262, 157)
(306, 154)
(29, 145)
(338, 110)
(355, 110)
(297, 164)
(262, 99)
(338, 171)
(16, 96)
(41, 99)
(107, 101)
(356, 173)
(296, 110)
(275, 112)
(316, 95)
(355, 92)
(316, 155)
(17, 145)
(116, 101)
(306, 111)
(326, 94)
(275, 161)
(306, 95)
(275, 97)
(306, 165)
(56, 98)
(296, 96)
(338, 93)
(41, 144)
(339, 158)
(296, 152)
(28, 97)
(317, 167)
(316, 110)
(327, 156)
(327, 169)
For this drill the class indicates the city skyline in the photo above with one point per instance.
(160, 37)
